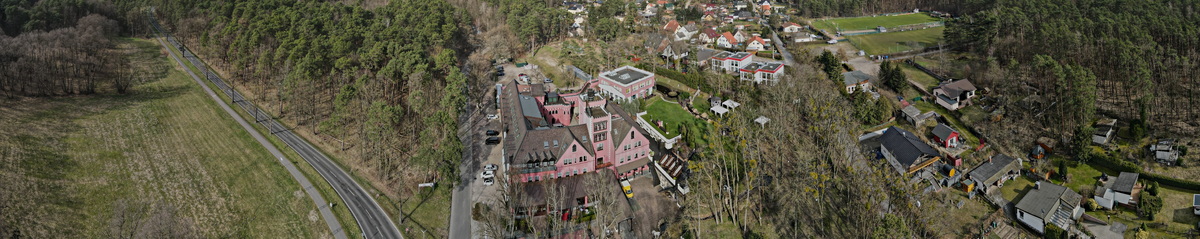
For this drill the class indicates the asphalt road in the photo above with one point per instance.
(787, 55)
(371, 218)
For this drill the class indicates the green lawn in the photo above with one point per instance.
(671, 114)
(894, 42)
(164, 146)
(1083, 177)
(1013, 190)
(1176, 215)
(919, 76)
(870, 22)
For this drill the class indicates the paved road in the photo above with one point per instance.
(787, 55)
(372, 219)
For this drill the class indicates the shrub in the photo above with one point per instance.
(1149, 205)
(1152, 188)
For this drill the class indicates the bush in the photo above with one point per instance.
(1152, 188)
(1091, 205)
(685, 95)
(1054, 232)
(1149, 205)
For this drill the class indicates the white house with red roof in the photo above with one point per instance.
(709, 35)
(756, 44)
(727, 40)
(791, 27)
(671, 26)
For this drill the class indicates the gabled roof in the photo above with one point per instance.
(1125, 182)
(623, 126)
(1047, 198)
(957, 87)
(711, 33)
(988, 172)
(691, 27)
(911, 111)
(942, 131)
(905, 146)
(729, 37)
(671, 26)
(759, 40)
(855, 78)
(544, 146)
(789, 24)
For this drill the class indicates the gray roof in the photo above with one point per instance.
(942, 131)
(1125, 182)
(854, 77)
(989, 171)
(1048, 198)
(626, 75)
(705, 53)
(529, 107)
(911, 111)
(957, 87)
(905, 146)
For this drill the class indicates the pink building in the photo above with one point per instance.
(626, 82)
(552, 135)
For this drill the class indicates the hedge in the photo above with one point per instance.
(1119, 165)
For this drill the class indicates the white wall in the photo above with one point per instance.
(1033, 222)
(1105, 200)
(1122, 197)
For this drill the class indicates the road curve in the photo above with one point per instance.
(371, 218)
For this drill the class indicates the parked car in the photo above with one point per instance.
(493, 133)
(627, 189)
(489, 181)
(500, 73)
(492, 116)
(548, 80)
(490, 167)
(493, 140)
(487, 174)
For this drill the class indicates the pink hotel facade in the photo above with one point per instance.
(555, 135)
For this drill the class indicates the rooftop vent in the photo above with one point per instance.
(556, 143)
(624, 76)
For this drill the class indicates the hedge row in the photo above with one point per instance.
(1126, 166)
(695, 80)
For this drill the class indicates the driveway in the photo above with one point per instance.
(1105, 232)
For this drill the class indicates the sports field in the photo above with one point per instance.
(894, 42)
(870, 22)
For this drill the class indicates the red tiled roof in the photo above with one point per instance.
(671, 26)
(729, 37)
(759, 40)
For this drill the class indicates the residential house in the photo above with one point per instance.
(756, 44)
(955, 95)
(914, 115)
(709, 35)
(1042, 147)
(801, 37)
(1164, 152)
(905, 151)
(1123, 190)
(1105, 129)
(671, 26)
(703, 56)
(791, 27)
(654, 43)
(1196, 204)
(1047, 204)
(686, 32)
(739, 5)
(857, 80)
(727, 40)
(760, 72)
(729, 62)
(741, 35)
(991, 174)
(946, 136)
(576, 9)
(674, 50)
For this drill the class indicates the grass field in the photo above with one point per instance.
(343, 214)
(164, 155)
(894, 42)
(671, 114)
(870, 22)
